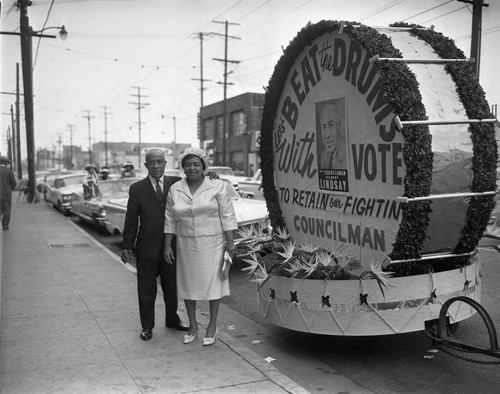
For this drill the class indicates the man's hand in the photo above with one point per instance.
(128, 256)
(212, 175)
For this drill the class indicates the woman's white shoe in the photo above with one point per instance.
(207, 341)
(190, 338)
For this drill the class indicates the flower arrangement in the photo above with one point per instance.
(277, 254)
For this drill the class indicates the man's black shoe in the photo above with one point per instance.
(146, 334)
(179, 326)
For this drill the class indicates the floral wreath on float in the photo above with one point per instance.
(275, 254)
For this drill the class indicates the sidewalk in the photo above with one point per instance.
(70, 323)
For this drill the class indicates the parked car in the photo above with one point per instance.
(40, 177)
(62, 189)
(248, 212)
(227, 173)
(91, 210)
(252, 186)
(174, 172)
(48, 182)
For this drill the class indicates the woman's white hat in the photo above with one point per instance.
(194, 151)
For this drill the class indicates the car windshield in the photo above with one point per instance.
(115, 187)
(73, 180)
(174, 173)
(223, 171)
(50, 178)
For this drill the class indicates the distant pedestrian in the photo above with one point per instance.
(89, 182)
(7, 184)
(128, 170)
(104, 173)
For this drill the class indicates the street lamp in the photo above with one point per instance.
(27, 33)
(63, 33)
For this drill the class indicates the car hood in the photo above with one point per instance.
(115, 197)
(121, 202)
(233, 178)
(250, 211)
(247, 211)
(71, 189)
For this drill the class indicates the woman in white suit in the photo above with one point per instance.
(201, 214)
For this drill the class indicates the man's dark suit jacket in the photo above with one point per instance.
(146, 235)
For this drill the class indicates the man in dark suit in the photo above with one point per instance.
(143, 241)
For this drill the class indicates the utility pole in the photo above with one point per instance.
(26, 48)
(12, 141)
(17, 155)
(70, 126)
(26, 34)
(477, 27)
(139, 105)
(226, 61)
(88, 117)
(201, 79)
(106, 134)
(59, 141)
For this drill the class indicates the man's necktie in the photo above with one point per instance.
(158, 188)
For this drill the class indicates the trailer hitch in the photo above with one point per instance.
(443, 326)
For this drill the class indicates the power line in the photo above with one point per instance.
(228, 9)
(440, 16)
(489, 30)
(253, 10)
(43, 27)
(428, 10)
(384, 8)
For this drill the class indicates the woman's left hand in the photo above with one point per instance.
(231, 248)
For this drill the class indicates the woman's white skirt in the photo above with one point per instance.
(199, 263)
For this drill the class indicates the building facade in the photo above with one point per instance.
(116, 154)
(238, 147)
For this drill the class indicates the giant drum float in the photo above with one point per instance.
(377, 145)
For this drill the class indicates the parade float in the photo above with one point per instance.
(373, 236)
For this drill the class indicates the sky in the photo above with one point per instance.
(118, 50)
